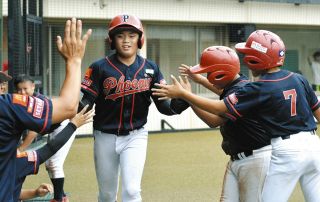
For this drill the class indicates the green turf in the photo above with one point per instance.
(180, 167)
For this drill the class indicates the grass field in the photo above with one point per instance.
(180, 167)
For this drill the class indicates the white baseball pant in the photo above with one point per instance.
(54, 164)
(244, 178)
(128, 153)
(292, 160)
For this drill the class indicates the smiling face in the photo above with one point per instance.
(126, 44)
(25, 88)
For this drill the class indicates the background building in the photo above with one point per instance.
(176, 32)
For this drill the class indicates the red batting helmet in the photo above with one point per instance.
(221, 63)
(263, 50)
(125, 22)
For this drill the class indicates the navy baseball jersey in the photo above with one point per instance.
(27, 164)
(122, 93)
(283, 101)
(245, 134)
(17, 113)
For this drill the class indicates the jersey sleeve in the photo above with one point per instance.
(312, 98)
(34, 113)
(90, 82)
(242, 101)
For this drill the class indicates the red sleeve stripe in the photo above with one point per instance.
(89, 89)
(233, 108)
(35, 162)
(231, 116)
(47, 116)
(314, 106)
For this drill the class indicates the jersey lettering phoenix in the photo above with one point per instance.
(122, 93)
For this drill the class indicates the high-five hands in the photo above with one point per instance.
(72, 47)
(185, 71)
(175, 90)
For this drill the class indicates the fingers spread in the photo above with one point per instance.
(79, 30)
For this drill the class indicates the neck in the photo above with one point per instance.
(127, 60)
(275, 69)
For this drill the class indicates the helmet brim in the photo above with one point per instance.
(241, 47)
(119, 29)
(197, 69)
(4, 77)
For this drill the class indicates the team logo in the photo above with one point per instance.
(281, 53)
(233, 99)
(87, 81)
(122, 87)
(38, 108)
(125, 18)
(257, 46)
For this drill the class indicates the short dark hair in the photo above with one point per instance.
(316, 54)
(22, 78)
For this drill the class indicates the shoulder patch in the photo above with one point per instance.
(38, 108)
(20, 99)
(88, 73)
(30, 105)
(233, 99)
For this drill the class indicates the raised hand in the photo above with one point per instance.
(72, 47)
(175, 90)
(185, 71)
(82, 118)
(184, 81)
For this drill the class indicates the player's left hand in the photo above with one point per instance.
(175, 90)
(43, 189)
(82, 118)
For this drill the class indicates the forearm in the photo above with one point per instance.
(205, 82)
(54, 144)
(317, 114)
(28, 194)
(211, 120)
(216, 107)
(28, 140)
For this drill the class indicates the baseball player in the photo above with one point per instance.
(119, 85)
(244, 140)
(285, 103)
(20, 112)
(28, 162)
(25, 86)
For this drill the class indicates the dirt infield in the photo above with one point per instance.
(180, 167)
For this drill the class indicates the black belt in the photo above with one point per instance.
(285, 137)
(241, 155)
(120, 132)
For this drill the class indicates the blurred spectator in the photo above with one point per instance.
(315, 66)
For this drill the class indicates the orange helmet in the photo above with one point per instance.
(124, 22)
(263, 50)
(221, 63)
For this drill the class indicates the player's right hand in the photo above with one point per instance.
(72, 47)
(82, 118)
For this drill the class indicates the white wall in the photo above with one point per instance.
(224, 11)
